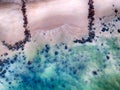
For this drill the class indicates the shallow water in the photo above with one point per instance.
(68, 56)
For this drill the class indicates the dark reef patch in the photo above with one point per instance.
(91, 34)
(20, 44)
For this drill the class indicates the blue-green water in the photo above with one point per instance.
(60, 67)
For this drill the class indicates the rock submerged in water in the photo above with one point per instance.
(55, 58)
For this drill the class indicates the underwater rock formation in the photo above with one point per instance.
(59, 45)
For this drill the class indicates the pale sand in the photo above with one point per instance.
(49, 17)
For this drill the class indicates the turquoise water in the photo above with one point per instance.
(60, 67)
